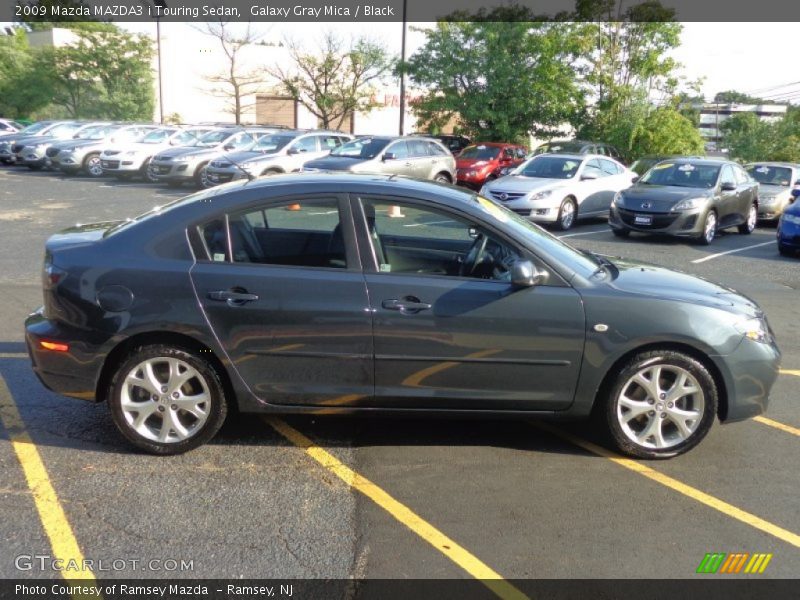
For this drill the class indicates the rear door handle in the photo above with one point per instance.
(233, 298)
(408, 305)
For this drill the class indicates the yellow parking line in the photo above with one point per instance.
(778, 425)
(712, 502)
(794, 372)
(456, 553)
(54, 521)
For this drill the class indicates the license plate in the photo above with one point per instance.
(163, 169)
(643, 220)
(214, 178)
(104, 163)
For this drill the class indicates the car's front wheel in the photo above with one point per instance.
(749, 225)
(621, 233)
(659, 404)
(709, 229)
(567, 213)
(92, 165)
(167, 400)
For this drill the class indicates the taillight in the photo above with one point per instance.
(54, 346)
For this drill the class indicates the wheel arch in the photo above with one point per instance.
(446, 174)
(149, 338)
(699, 355)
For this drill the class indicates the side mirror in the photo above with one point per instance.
(229, 147)
(634, 179)
(588, 176)
(727, 186)
(293, 151)
(796, 193)
(389, 156)
(524, 274)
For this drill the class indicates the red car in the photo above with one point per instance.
(479, 163)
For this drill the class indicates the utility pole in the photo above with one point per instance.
(402, 73)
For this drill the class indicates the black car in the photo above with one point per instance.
(313, 293)
(454, 143)
(687, 197)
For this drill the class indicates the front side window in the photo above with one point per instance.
(273, 143)
(727, 176)
(399, 149)
(306, 144)
(435, 149)
(157, 136)
(300, 234)
(427, 241)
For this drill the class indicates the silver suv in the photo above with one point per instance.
(422, 158)
(124, 161)
(281, 152)
(176, 166)
(82, 154)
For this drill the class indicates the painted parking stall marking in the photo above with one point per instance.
(54, 521)
(440, 541)
(735, 250)
(691, 492)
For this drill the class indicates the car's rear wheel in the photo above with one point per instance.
(567, 214)
(442, 178)
(660, 404)
(167, 400)
(749, 225)
(270, 172)
(92, 165)
(709, 229)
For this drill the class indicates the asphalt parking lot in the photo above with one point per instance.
(338, 498)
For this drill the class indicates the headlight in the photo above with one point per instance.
(619, 199)
(755, 329)
(768, 200)
(789, 218)
(472, 173)
(688, 204)
(540, 195)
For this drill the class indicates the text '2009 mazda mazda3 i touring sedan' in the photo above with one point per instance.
(342, 293)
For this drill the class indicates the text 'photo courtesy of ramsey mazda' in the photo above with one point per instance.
(213, 303)
(688, 197)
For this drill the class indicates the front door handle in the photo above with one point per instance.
(233, 297)
(408, 305)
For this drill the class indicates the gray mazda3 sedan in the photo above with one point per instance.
(341, 293)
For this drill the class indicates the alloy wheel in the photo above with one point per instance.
(567, 214)
(710, 227)
(660, 406)
(165, 400)
(93, 166)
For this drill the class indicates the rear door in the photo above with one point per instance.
(448, 339)
(282, 289)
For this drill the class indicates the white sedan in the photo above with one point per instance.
(561, 188)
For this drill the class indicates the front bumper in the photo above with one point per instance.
(74, 373)
(771, 211)
(218, 175)
(789, 235)
(122, 164)
(171, 170)
(544, 210)
(682, 224)
(749, 373)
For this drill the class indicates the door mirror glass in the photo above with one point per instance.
(389, 156)
(634, 179)
(728, 186)
(525, 274)
(588, 176)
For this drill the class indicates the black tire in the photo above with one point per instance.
(217, 405)
(749, 225)
(620, 233)
(608, 405)
(708, 233)
(270, 172)
(567, 214)
(91, 165)
(784, 251)
(443, 178)
(200, 177)
(144, 172)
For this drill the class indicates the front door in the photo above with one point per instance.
(283, 291)
(450, 331)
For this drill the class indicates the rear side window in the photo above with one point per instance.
(329, 142)
(299, 234)
(610, 167)
(418, 148)
(436, 150)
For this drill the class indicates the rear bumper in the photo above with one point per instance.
(749, 373)
(74, 373)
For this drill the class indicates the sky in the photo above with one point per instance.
(746, 57)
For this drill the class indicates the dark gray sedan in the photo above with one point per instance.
(688, 197)
(331, 294)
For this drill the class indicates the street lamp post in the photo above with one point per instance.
(162, 5)
(402, 73)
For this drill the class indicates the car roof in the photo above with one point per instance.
(706, 160)
(773, 164)
(573, 155)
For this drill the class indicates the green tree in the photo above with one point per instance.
(499, 80)
(665, 131)
(24, 89)
(748, 138)
(335, 81)
(734, 97)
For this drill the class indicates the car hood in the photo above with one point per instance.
(520, 183)
(176, 151)
(653, 281)
(336, 163)
(660, 198)
(474, 163)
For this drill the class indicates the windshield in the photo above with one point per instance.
(187, 138)
(212, 138)
(96, 132)
(64, 130)
(544, 242)
(682, 175)
(363, 148)
(480, 152)
(556, 147)
(549, 167)
(36, 127)
(273, 143)
(157, 136)
(769, 175)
